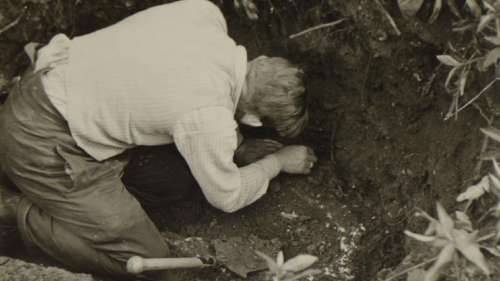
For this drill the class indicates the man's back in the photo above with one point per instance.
(129, 83)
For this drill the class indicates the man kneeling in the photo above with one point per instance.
(166, 75)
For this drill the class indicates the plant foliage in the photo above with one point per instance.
(293, 269)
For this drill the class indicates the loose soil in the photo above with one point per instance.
(377, 105)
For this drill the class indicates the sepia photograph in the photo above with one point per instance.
(259, 140)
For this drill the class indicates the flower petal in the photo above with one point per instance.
(493, 251)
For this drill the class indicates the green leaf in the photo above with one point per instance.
(451, 74)
(489, 7)
(30, 49)
(445, 220)
(271, 264)
(491, 58)
(492, 133)
(467, 245)
(434, 225)
(493, 39)
(491, 154)
(438, 5)
(440, 242)
(453, 7)
(464, 219)
(462, 82)
(249, 7)
(299, 263)
(494, 251)
(448, 60)
(496, 168)
(475, 191)
(410, 8)
(496, 210)
(445, 257)
(280, 259)
(474, 7)
(484, 21)
(496, 185)
(420, 237)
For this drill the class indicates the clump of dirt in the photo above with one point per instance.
(14, 269)
(377, 106)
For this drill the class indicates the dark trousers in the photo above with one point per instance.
(158, 175)
(75, 208)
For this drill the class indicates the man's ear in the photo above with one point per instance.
(251, 120)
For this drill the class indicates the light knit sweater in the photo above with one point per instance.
(167, 74)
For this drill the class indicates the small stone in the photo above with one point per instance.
(129, 3)
(381, 35)
(311, 248)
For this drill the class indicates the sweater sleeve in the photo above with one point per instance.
(207, 140)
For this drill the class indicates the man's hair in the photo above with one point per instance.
(276, 93)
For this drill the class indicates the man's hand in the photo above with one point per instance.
(296, 159)
(252, 150)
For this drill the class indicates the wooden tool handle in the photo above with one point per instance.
(137, 264)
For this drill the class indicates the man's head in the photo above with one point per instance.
(274, 95)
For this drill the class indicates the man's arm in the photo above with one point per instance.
(207, 140)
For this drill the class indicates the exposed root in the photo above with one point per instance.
(484, 90)
(14, 23)
(320, 26)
